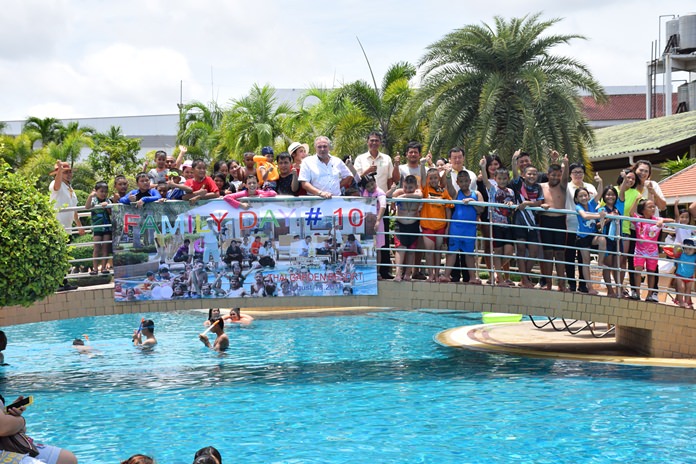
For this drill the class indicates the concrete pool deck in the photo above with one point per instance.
(523, 339)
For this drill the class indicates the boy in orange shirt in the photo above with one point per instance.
(434, 220)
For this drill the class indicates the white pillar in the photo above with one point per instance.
(667, 86)
(648, 87)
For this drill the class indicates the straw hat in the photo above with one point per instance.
(295, 145)
(66, 167)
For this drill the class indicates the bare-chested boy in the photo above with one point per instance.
(407, 229)
(553, 228)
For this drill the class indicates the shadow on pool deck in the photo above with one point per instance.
(523, 339)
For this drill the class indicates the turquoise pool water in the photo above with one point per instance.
(362, 388)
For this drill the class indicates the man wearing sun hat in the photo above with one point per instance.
(63, 196)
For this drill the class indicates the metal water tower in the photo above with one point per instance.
(679, 54)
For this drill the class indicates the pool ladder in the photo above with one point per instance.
(569, 326)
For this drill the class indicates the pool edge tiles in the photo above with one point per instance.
(520, 339)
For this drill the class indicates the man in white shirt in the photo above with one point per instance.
(63, 196)
(324, 174)
(377, 163)
(380, 165)
(456, 164)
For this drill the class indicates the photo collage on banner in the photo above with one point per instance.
(280, 247)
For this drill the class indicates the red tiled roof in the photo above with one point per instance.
(681, 184)
(622, 107)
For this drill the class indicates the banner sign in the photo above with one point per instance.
(277, 247)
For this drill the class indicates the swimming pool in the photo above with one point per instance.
(373, 387)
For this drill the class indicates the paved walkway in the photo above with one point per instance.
(523, 339)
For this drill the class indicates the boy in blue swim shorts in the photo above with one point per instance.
(462, 230)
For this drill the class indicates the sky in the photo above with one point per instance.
(90, 58)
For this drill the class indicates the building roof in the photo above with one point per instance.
(624, 107)
(665, 137)
(680, 185)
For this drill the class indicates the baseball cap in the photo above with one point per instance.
(267, 151)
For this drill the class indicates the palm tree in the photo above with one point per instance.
(47, 130)
(16, 151)
(501, 89)
(72, 138)
(73, 128)
(253, 121)
(327, 112)
(198, 127)
(384, 103)
(114, 153)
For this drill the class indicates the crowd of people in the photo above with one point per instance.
(543, 217)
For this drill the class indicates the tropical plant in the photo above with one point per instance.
(327, 112)
(46, 130)
(114, 153)
(39, 165)
(33, 244)
(198, 128)
(16, 151)
(253, 122)
(318, 112)
(382, 104)
(73, 127)
(501, 89)
(672, 167)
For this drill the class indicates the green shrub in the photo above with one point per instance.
(147, 249)
(83, 251)
(81, 197)
(124, 258)
(100, 279)
(33, 245)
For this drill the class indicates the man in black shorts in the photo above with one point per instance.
(553, 229)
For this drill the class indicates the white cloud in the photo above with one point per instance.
(128, 57)
(32, 29)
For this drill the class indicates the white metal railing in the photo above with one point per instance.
(663, 278)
